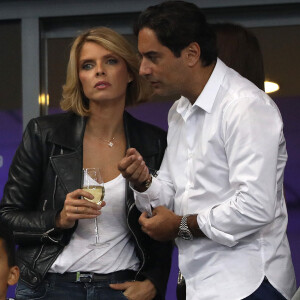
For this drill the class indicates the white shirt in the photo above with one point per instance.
(224, 162)
(113, 230)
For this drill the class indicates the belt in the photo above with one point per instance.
(124, 275)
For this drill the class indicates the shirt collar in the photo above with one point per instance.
(207, 97)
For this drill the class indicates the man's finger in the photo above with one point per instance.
(138, 171)
(144, 229)
(125, 163)
(131, 151)
(136, 163)
(143, 218)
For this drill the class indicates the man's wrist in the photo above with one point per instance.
(144, 185)
(184, 231)
(188, 227)
(194, 227)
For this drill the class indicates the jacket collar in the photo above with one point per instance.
(69, 134)
(137, 137)
(69, 131)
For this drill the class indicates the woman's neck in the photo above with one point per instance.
(105, 122)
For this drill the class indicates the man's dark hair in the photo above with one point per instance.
(176, 25)
(8, 241)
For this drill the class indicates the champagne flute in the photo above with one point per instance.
(92, 183)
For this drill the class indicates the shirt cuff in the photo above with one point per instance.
(204, 223)
(149, 199)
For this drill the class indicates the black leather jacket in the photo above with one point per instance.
(47, 166)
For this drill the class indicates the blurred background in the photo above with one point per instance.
(35, 39)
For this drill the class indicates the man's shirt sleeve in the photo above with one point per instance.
(255, 150)
(160, 192)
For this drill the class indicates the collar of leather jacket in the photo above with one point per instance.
(70, 131)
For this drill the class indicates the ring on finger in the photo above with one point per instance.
(77, 209)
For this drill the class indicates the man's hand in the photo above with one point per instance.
(162, 226)
(133, 168)
(136, 290)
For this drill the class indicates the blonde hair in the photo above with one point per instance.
(73, 97)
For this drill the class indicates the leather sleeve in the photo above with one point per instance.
(22, 206)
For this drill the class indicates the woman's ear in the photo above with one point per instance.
(14, 274)
(130, 77)
(192, 54)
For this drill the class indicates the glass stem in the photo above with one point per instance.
(97, 231)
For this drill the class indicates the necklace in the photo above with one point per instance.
(109, 143)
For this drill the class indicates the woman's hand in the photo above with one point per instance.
(75, 208)
(136, 290)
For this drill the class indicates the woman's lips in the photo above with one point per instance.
(102, 85)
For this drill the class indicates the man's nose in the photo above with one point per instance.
(144, 68)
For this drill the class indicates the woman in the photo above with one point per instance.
(239, 49)
(43, 200)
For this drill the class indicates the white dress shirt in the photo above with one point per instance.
(119, 254)
(224, 162)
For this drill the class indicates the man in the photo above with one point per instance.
(9, 272)
(219, 191)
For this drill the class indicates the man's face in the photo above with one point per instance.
(8, 275)
(159, 65)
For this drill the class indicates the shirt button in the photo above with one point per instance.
(190, 155)
(188, 185)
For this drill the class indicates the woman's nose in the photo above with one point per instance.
(100, 69)
(99, 73)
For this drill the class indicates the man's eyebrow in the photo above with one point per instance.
(149, 53)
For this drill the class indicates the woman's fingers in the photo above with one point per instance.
(76, 207)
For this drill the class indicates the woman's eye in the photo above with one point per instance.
(112, 61)
(87, 66)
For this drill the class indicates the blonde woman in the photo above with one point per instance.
(43, 200)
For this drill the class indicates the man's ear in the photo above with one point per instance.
(14, 274)
(192, 54)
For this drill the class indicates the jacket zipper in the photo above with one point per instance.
(54, 190)
(143, 262)
(34, 262)
(55, 181)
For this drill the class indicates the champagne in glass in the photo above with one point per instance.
(97, 191)
(92, 182)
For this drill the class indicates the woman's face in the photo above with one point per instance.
(103, 74)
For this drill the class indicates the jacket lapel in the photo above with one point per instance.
(68, 169)
(136, 137)
(67, 159)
